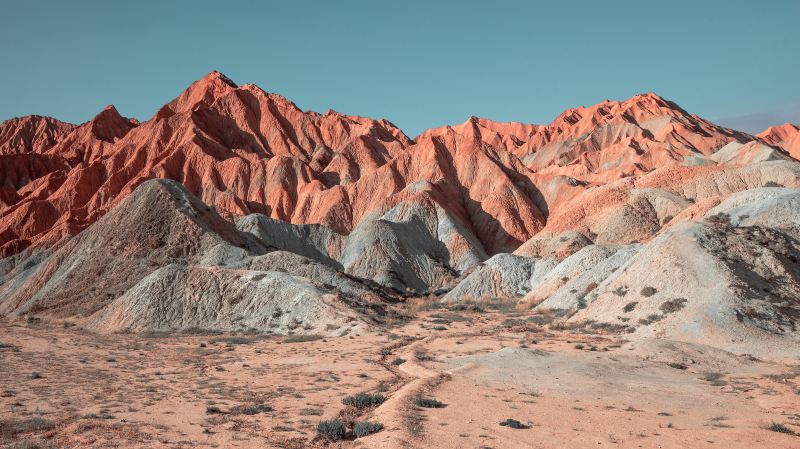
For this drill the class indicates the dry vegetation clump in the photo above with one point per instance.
(428, 403)
(364, 400)
(332, 430)
(362, 429)
(780, 428)
(514, 424)
(648, 292)
(302, 338)
(9, 429)
(673, 305)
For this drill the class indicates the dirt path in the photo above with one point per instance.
(570, 389)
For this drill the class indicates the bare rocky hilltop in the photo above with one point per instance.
(232, 210)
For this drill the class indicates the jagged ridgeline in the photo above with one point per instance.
(231, 208)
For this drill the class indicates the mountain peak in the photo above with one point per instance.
(204, 90)
(216, 76)
(109, 125)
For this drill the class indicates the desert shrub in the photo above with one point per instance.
(714, 379)
(10, 429)
(609, 327)
(331, 430)
(780, 428)
(541, 319)
(511, 322)
(98, 416)
(233, 340)
(678, 365)
(673, 305)
(428, 403)
(196, 330)
(302, 338)
(629, 306)
(32, 444)
(648, 292)
(465, 306)
(398, 361)
(364, 400)
(514, 424)
(621, 291)
(255, 409)
(439, 328)
(450, 317)
(422, 356)
(362, 429)
(213, 410)
(36, 375)
(652, 318)
(720, 218)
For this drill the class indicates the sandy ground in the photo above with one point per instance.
(65, 387)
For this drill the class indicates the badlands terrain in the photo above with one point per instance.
(237, 272)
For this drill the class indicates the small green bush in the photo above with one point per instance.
(780, 428)
(99, 416)
(256, 409)
(428, 403)
(715, 379)
(514, 424)
(302, 338)
(331, 430)
(648, 292)
(10, 429)
(673, 305)
(652, 318)
(32, 444)
(362, 429)
(398, 361)
(629, 306)
(422, 356)
(364, 400)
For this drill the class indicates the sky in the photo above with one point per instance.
(419, 64)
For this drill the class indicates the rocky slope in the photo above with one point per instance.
(272, 209)
(164, 260)
(786, 137)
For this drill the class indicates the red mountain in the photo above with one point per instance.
(245, 151)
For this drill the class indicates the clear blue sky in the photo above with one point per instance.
(418, 64)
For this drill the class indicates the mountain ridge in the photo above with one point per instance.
(245, 150)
